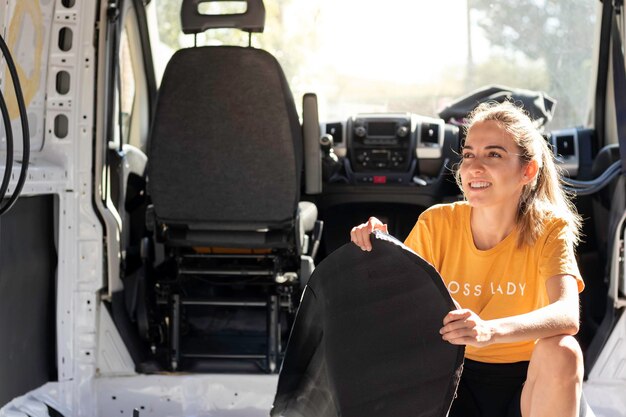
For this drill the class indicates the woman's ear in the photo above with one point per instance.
(530, 171)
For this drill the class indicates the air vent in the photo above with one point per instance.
(430, 134)
(565, 145)
(336, 130)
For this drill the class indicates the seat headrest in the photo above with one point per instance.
(252, 20)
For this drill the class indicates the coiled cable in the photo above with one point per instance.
(19, 96)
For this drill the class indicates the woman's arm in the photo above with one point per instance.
(561, 316)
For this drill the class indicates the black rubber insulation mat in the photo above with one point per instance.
(366, 338)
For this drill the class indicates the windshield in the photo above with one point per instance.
(413, 56)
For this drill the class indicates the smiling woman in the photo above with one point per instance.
(503, 148)
(491, 171)
(506, 255)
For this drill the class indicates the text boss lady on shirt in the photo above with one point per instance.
(503, 288)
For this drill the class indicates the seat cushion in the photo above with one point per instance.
(366, 338)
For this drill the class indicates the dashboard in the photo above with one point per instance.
(414, 150)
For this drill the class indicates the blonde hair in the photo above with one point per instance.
(543, 198)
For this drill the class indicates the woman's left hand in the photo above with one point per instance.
(464, 327)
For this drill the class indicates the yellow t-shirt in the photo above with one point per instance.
(500, 282)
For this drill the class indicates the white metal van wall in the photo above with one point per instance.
(52, 42)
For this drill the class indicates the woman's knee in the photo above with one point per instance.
(559, 354)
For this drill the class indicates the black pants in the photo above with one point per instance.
(492, 390)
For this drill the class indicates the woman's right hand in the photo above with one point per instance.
(360, 234)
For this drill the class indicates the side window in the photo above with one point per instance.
(129, 112)
(133, 92)
(127, 88)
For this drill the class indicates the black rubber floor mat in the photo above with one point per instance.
(366, 339)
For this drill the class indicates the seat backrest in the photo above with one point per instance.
(366, 338)
(226, 146)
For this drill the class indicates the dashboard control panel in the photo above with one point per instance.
(380, 142)
(396, 148)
